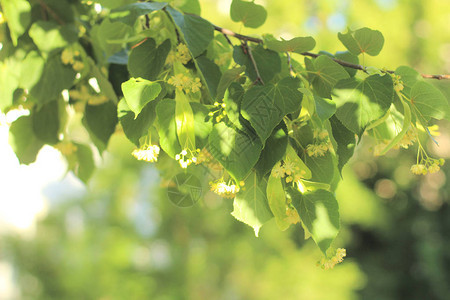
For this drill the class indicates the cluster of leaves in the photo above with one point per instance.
(274, 132)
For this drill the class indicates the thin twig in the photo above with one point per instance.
(258, 76)
(246, 38)
(51, 12)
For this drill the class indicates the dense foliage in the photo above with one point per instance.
(246, 115)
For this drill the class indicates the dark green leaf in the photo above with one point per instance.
(84, 166)
(227, 78)
(46, 122)
(250, 14)
(319, 212)
(237, 151)
(345, 140)
(325, 108)
(23, 140)
(265, 106)
(135, 128)
(147, 60)
(324, 74)
(250, 205)
(100, 121)
(211, 73)
(268, 62)
(273, 151)
(197, 32)
(361, 102)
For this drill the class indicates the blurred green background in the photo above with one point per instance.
(121, 238)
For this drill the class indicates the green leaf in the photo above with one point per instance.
(428, 102)
(268, 62)
(135, 128)
(363, 40)
(46, 122)
(55, 78)
(84, 166)
(345, 140)
(31, 71)
(190, 7)
(348, 57)
(147, 60)
(49, 36)
(202, 125)
(361, 102)
(8, 83)
(322, 167)
(409, 77)
(184, 118)
(167, 129)
(276, 197)
(273, 151)
(211, 73)
(265, 106)
(100, 121)
(110, 31)
(292, 156)
(319, 212)
(18, 15)
(297, 44)
(325, 108)
(138, 92)
(324, 73)
(237, 151)
(250, 206)
(250, 14)
(23, 140)
(197, 32)
(228, 77)
(128, 14)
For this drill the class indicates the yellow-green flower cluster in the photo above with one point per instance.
(183, 82)
(69, 56)
(218, 111)
(337, 258)
(287, 170)
(147, 153)
(205, 157)
(428, 165)
(182, 55)
(321, 144)
(398, 83)
(407, 140)
(66, 148)
(183, 159)
(223, 189)
(83, 95)
(292, 214)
